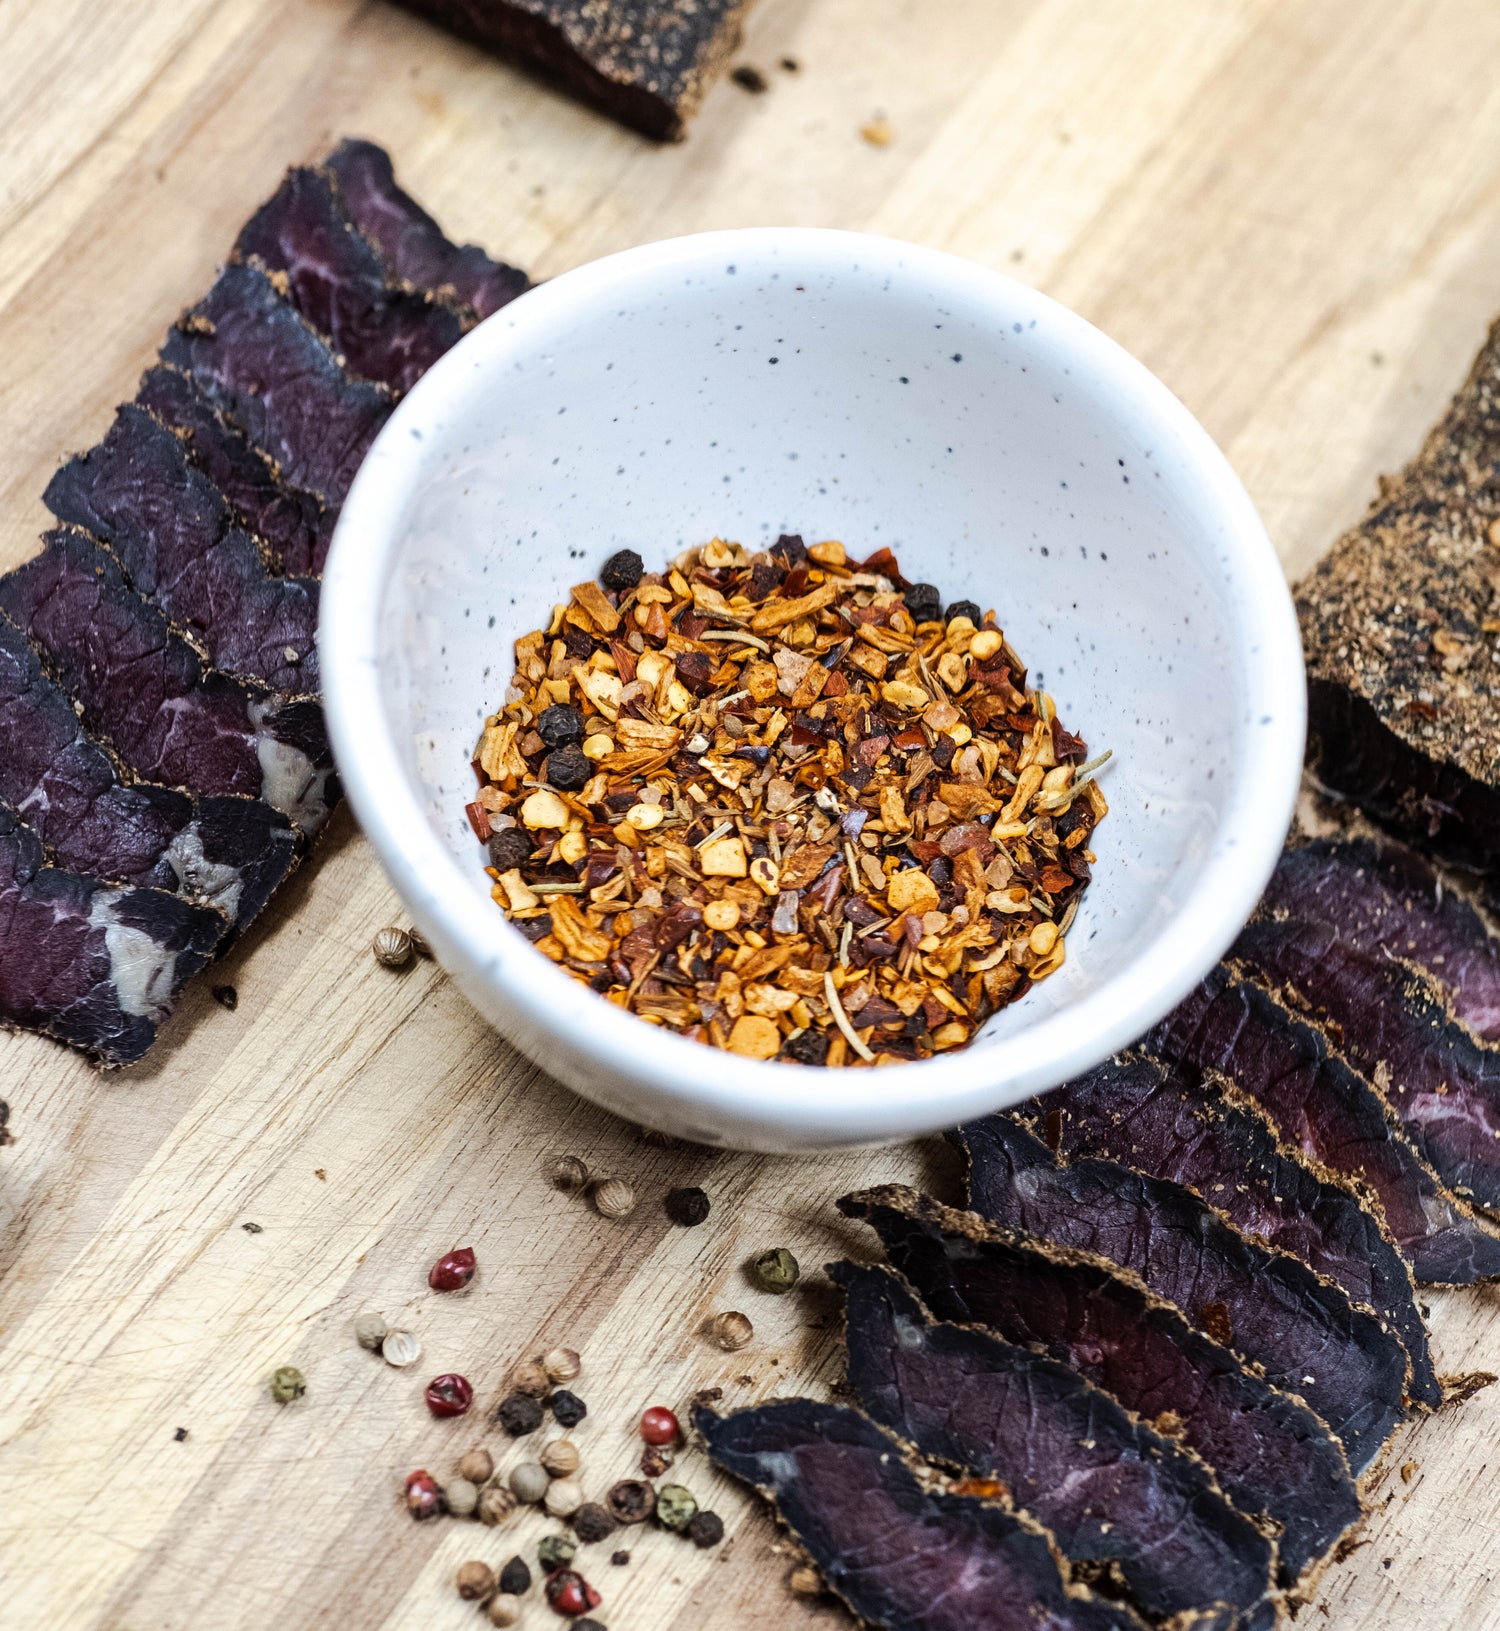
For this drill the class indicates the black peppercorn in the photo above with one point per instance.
(923, 602)
(688, 1206)
(509, 848)
(808, 1048)
(569, 768)
(619, 1559)
(555, 1552)
(519, 1414)
(515, 1578)
(587, 1624)
(227, 997)
(964, 608)
(567, 1408)
(592, 1523)
(622, 570)
(559, 726)
(705, 1529)
(630, 1501)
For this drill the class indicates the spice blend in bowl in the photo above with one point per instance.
(785, 804)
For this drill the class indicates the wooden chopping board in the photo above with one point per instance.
(1289, 208)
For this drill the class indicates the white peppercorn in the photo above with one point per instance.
(503, 1610)
(563, 1498)
(370, 1330)
(560, 1458)
(400, 1348)
(613, 1198)
(528, 1482)
(392, 947)
(462, 1497)
(562, 1364)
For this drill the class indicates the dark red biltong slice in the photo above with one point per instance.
(228, 852)
(146, 692)
(1385, 898)
(337, 279)
(1395, 1027)
(1273, 1456)
(295, 525)
(1114, 1494)
(1270, 1308)
(259, 361)
(1153, 1116)
(413, 244)
(898, 1556)
(95, 965)
(179, 543)
(1324, 1107)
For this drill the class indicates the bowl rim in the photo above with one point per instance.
(805, 1102)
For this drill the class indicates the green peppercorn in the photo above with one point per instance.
(555, 1552)
(776, 1271)
(287, 1384)
(675, 1507)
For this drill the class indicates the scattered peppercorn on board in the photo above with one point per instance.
(1287, 207)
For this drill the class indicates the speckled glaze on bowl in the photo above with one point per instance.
(839, 386)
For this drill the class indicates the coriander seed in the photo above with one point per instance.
(675, 1507)
(528, 1482)
(564, 1496)
(519, 1414)
(632, 1500)
(418, 941)
(287, 1384)
(776, 1271)
(400, 1349)
(561, 1364)
(495, 1505)
(569, 1174)
(688, 1206)
(705, 1529)
(503, 1610)
(555, 1552)
(560, 1458)
(478, 1466)
(462, 1497)
(613, 1198)
(475, 1581)
(530, 1378)
(370, 1331)
(592, 1523)
(731, 1330)
(392, 947)
(515, 1577)
(567, 1408)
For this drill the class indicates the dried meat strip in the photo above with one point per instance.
(336, 278)
(146, 692)
(1273, 1310)
(1196, 1130)
(898, 1555)
(1396, 1028)
(1126, 1506)
(95, 965)
(1385, 898)
(260, 362)
(229, 853)
(179, 544)
(295, 525)
(1274, 1458)
(1324, 1107)
(413, 244)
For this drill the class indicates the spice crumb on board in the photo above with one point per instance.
(786, 805)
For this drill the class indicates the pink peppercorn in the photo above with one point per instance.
(570, 1593)
(423, 1497)
(449, 1395)
(659, 1425)
(453, 1272)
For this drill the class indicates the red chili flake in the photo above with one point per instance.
(449, 1395)
(570, 1593)
(659, 1425)
(423, 1497)
(453, 1272)
(479, 820)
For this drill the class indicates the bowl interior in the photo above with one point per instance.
(838, 387)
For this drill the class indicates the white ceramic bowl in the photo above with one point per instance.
(838, 386)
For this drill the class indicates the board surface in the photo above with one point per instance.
(1289, 208)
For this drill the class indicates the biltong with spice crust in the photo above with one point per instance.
(1200, 1132)
(1324, 1107)
(897, 1554)
(1128, 1508)
(1274, 1457)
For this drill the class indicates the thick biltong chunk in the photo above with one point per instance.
(1386, 898)
(898, 1556)
(1114, 1493)
(228, 852)
(295, 525)
(145, 691)
(337, 279)
(179, 543)
(413, 244)
(1270, 1308)
(91, 964)
(1273, 1456)
(1322, 1105)
(1395, 1027)
(646, 63)
(259, 360)
(1157, 1118)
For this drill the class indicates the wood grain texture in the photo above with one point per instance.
(1289, 208)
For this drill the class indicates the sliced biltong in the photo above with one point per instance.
(413, 244)
(228, 852)
(647, 63)
(180, 545)
(260, 361)
(1322, 1105)
(1385, 898)
(336, 278)
(1119, 1498)
(1397, 1028)
(1273, 1456)
(1270, 1308)
(295, 525)
(95, 965)
(898, 1555)
(146, 692)
(1172, 1124)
